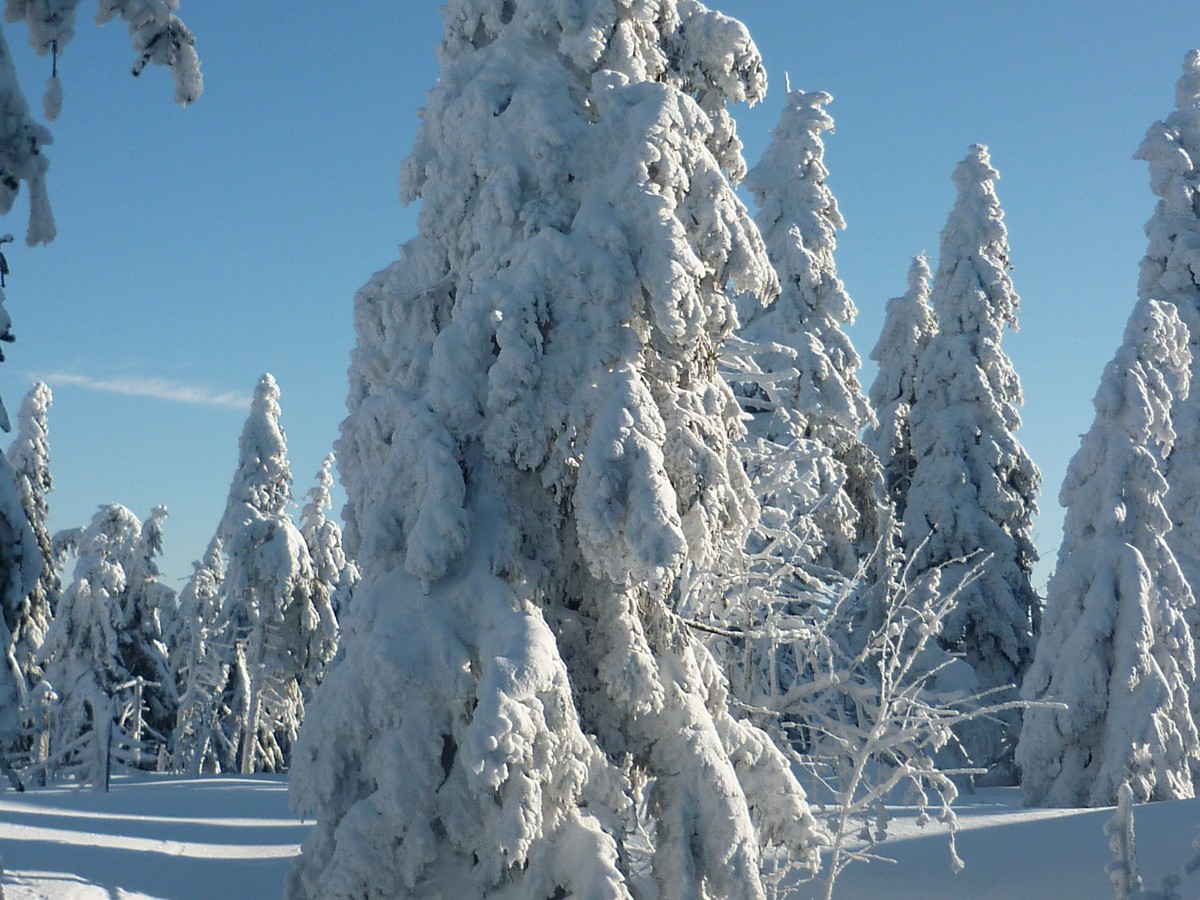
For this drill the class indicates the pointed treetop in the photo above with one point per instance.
(35, 404)
(806, 110)
(1171, 267)
(918, 276)
(319, 498)
(1187, 89)
(973, 292)
(907, 327)
(1151, 369)
(263, 479)
(976, 169)
(29, 453)
(796, 152)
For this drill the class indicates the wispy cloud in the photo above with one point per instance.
(157, 388)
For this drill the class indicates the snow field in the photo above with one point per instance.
(165, 837)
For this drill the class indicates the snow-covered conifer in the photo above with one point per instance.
(202, 655)
(538, 446)
(1170, 273)
(907, 329)
(104, 656)
(809, 385)
(146, 606)
(29, 456)
(281, 629)
(20, 567)
(1115, 646)
(335, 575)
(973, 488)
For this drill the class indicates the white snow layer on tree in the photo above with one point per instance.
(974, 485)
(908, 327)
(278, 625)
(538, 444)
(1170, 272)
(334, 574)
(1115, 646)
(201, 670)
(106, 633)
(158, 37)
(20, 566)
(811, 389)
(29, 456)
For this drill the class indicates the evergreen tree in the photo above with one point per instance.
(1170, 273)
(20, 566)
(538, 447)
(907, 329)
(201, 661)
(973, 488)
(1115, 647)
(819, 397)
(158, 37)
(29, 456)
(281, 629)
(104, 656)
(145, 605)
(335, 575)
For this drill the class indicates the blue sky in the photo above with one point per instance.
(199, 248)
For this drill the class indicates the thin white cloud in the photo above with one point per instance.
(156, 388)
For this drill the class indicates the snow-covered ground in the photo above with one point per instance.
(1014, 852)
(226, 837)
(233, 837)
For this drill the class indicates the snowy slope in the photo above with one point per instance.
(1015, 852)
(233, 837)
(227, 837)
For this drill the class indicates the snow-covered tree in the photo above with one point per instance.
(808, 387)
(538, 447)
(281, 628)
(335, 575)
(201, 660)
(20, 566)
(908, 327)
(158, 37)
(1170, 273)
(29, 456)
(145, 605)
(973, 487)
(1115, 646)
(104, 656)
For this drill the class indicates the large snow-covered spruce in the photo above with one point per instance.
(279, 626)
(538, 445)
(810, 389)
(1170, 273)
(973, 488)
(907, 329)
(1115, 646)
